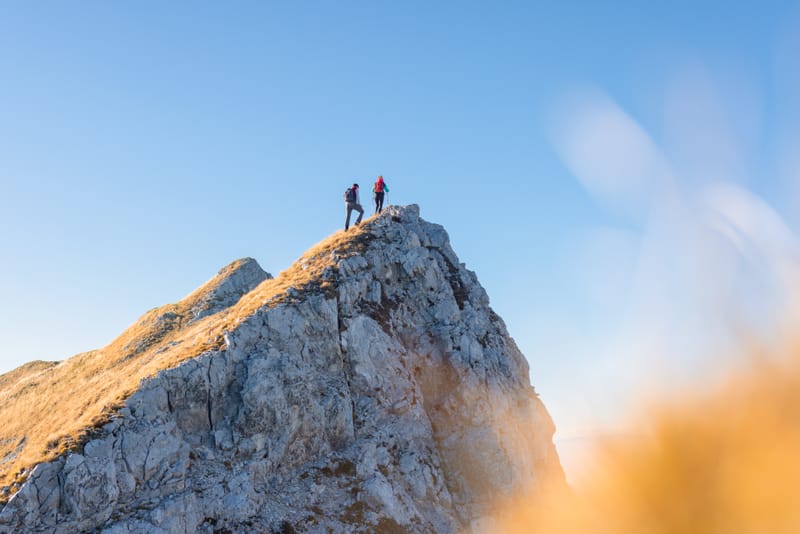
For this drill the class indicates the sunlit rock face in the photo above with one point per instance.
(392, 401)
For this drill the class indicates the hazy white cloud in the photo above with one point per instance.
(611, 155)
(704, 141)
(751, 219)
(710, 254)
(769, 247)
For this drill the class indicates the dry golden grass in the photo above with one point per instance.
(48, 408)
(725, 461)
(306, 274)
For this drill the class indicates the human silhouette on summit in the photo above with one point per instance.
(378, 190)
(351, 203)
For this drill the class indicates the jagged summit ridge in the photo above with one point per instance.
(225, 289)
(368, 387)
(48, 408)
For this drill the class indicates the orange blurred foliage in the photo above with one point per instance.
(726, 460)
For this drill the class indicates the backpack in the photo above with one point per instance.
(379, 187)
(349, 195)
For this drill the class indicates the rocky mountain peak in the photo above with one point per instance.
(224, 290)
(368, 388)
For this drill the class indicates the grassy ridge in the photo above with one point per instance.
(48, 408)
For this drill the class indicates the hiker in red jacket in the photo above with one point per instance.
(351, 202)
(379, 189)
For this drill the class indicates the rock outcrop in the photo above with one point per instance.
(380, 393)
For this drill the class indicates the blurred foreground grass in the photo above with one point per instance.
(725, 460)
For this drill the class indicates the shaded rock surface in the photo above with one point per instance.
(397, 402)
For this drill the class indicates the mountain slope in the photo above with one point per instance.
(368, 387)
(48, 407)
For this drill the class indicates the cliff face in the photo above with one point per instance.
(368, 388)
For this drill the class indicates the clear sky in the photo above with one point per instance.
(622, 176)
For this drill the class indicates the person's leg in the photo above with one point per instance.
(377, 196)
(360, 211)
(347, 220)
(380, 202)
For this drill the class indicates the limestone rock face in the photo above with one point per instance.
(227, 287)
(392, 401)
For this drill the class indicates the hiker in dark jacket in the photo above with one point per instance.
(351, 202)
(378, 190)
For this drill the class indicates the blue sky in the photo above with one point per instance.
(146, 145)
